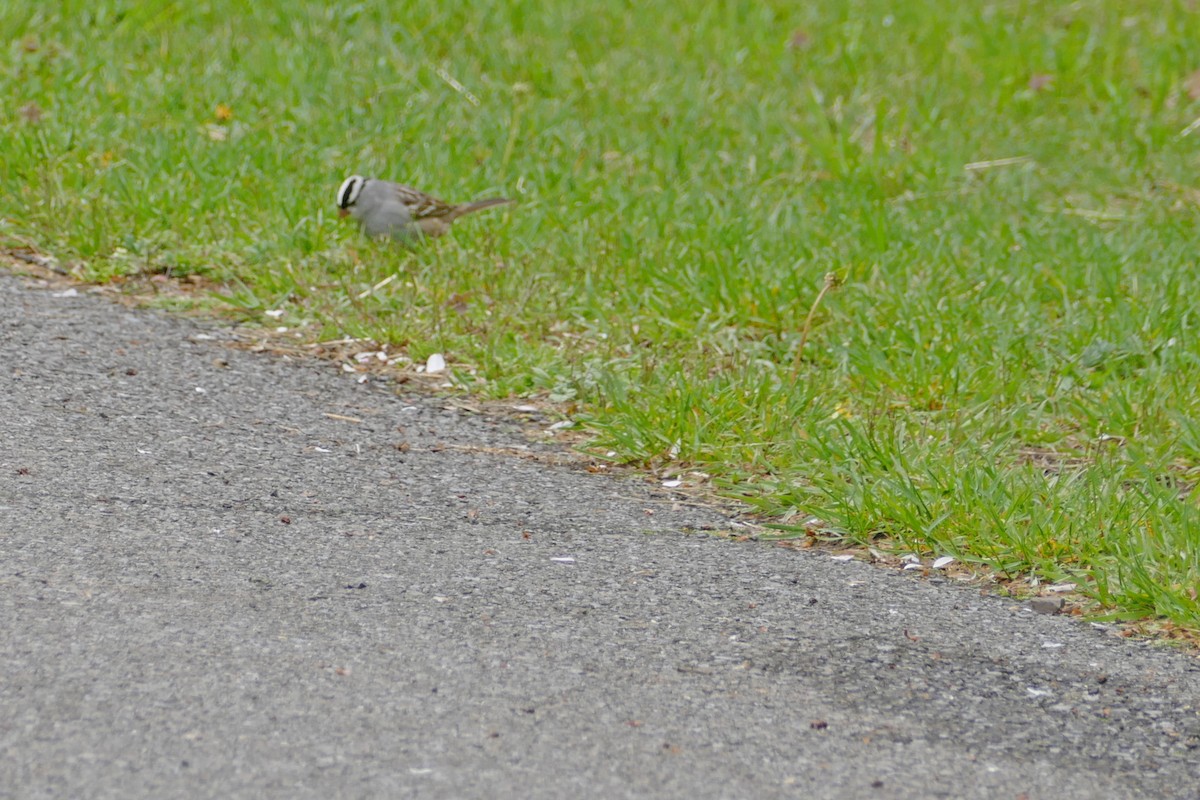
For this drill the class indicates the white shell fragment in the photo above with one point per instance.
(943, 562)
(435, 363)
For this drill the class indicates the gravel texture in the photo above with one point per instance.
(209, 587)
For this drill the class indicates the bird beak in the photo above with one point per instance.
(343, 212)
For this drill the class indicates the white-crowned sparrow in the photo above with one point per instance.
(384, 208)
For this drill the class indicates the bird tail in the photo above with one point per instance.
(479, 205)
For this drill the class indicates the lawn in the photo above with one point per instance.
(1003, 366)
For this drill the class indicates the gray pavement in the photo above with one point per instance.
(209, 587)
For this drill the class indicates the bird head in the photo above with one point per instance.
(347, 194)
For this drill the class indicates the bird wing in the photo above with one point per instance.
(421, 205)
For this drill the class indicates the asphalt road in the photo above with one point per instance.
(210, 587)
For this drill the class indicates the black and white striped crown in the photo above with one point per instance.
(350, 189)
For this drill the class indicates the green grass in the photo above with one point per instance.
(1007, 372)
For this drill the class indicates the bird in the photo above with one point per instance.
(386, 209)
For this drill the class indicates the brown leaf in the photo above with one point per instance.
(1040, 80)
(799, 40)
(1191, 85)
(32, 113)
